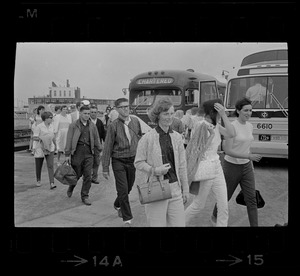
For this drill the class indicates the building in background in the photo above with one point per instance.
(57, 95)
(65, 95)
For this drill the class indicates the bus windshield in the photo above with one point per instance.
(149, 96)
(265, 92)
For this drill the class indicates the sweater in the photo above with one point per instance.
(149, 155)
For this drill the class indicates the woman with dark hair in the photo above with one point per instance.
(161, 151)
(238, 167)
(37, 120)
(203, 146)
(43, 135)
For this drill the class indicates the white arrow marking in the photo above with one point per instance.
(235, 261)
(80, 261)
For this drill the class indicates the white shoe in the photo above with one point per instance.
(127, 223)
(38, 183)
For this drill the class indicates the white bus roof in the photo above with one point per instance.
(266, 57)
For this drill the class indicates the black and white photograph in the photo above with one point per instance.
(151, 134)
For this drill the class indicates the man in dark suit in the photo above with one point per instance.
(101, 132)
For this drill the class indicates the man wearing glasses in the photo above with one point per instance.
(121, 142)
(101, 132)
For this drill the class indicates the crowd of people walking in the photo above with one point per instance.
(173, 150)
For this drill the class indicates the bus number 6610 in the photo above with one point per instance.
(264, 126)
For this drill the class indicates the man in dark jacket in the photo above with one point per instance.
(120, 146)
(101, 132)
(83, 145)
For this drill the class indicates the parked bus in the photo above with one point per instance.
(263, 77)
(186, 89)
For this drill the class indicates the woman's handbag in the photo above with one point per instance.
(259, 199)
(65, 174)
(152, 191)
(38, 151)
(206, 170)
(194, 188)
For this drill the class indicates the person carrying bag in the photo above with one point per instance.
(152, 191)
(161, 153)
(65, 174)
(238, 161)
(203, 164)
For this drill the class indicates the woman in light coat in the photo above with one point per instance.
(61, 126)
(162, 149)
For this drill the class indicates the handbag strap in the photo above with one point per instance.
(151, 181)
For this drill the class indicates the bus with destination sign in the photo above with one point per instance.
(186, 89)
(263, 78)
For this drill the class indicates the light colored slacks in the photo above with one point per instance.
(218, 186)
(169, 212)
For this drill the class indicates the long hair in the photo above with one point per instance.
(195, 150)
(209, 109)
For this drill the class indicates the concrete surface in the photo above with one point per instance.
(42, 207)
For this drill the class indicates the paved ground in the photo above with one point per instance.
(42, 207)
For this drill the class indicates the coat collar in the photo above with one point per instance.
(161, 132)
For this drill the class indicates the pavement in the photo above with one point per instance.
(42, 207)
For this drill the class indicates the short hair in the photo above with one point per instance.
(57, 107)
(200, 111)
(78, 104)
(94, 106)
(239, 105)
(39, 108)
(84, 107)
(46, 115)
(179, 113)
(209, 109)
(194, 110)
(162, 105)
(63, 106)
(120, 100)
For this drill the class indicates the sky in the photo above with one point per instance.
(102, 70)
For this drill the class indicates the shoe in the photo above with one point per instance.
(38, 183)
(69, 192)
(127, 223)
(95, 181)
(213, 220)
(86, 201)
(52, 186)
(119, 211)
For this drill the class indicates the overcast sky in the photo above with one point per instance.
(101, 70)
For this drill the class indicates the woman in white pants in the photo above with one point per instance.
(161, 149)
(214, 111)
